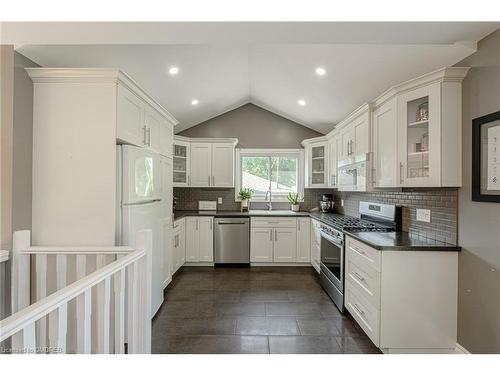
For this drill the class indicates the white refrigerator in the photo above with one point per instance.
(140, 206)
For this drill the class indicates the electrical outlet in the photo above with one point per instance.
(219, 200)
(341, 203)
(423, 215)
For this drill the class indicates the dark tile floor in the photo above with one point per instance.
(253, 310)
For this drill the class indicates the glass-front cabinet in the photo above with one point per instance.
(181, 163)
(317, 164)
(419, 143)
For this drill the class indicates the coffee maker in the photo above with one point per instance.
(326, 203)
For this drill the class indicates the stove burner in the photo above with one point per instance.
(352, 223)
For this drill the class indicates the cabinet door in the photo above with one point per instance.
(318, 164)
(166, 138)
(181, 159)
(168, 251)
(346, 140)
(332, 161)
(153, 122)
(206, 233)
(261, 245)
(182, 248)
(385, 145)
(174, 262)
(201, 164)
(285, 244)
(419, 127)
(361, 140)
(167, 188)
(222, 165)
(303, 240)
(130, 126)
(192, 240)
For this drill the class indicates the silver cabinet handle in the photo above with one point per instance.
(271, 235)
(276, 235)
(358, 276)
(144, 135)
(358, 309)
(401, 172)
(211, 224)
(208, 180)
(149, 137)
(187, 180)
(298, 222)
(213, 180)
(196, 224)
(352, 147)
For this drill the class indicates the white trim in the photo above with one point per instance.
(269, 151)
(4, 255)
(459, 349)
(272, 264)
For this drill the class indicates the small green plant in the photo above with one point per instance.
(245, 194)
(294, 198)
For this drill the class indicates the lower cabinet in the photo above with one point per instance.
(405, 301)
(303, 240)
(166, 266)
(273, 240)
(179, 246)
(315, 244)
(199, 239)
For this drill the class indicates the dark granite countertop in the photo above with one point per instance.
(400, 241)
(395, 241)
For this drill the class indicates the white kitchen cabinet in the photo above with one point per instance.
(199, 239)
(179, 253)
(261, 245)
(315, 244)
(153, 125)
(130, 117)
(354, 134)
(316, 162)
(222, 165)
(303, 240)
(167, 253)
(212, 164)
(201, 164)
(399, 310)
(181, 159)
(285, 245)
(385, 145)
(333, 161)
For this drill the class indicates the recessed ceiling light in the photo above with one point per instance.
(320, 71)
(194, 102)
(173, 70)
(301, 102)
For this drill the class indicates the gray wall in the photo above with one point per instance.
(254, 127)
(478, 222)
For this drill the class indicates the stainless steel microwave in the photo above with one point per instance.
(353, 173)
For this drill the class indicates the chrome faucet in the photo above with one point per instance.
(269, 204)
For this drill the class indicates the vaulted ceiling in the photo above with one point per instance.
(222, 76)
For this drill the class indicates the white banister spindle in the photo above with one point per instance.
(29, 342)
(41, 292)
(20, 296)
(132, 308)
(119, 292)
(103, 296)
(83, 310)
(58, 320)
(61, 270)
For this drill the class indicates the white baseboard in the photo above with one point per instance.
(271, 264)
(459, 349)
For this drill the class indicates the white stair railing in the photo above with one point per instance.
(122, 287)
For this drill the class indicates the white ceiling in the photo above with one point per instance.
(223, 76)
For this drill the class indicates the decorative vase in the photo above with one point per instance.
(244, 205)
(295, 207)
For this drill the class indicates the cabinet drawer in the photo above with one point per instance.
(367, 315)
(366, 278)
(363, 254)
(266, 222)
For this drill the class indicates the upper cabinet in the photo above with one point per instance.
(333, 150)
(204, 162)
(354, 134)
(139, 124)
(417, 132)
(316, 154)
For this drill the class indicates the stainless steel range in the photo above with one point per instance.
(374, 217)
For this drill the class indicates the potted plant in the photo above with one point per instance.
(245, 195)
(294, 200)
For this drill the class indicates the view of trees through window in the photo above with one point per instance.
(279, 172)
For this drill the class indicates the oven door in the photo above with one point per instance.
(332, 260)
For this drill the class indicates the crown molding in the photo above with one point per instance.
(91, 75)
(233, 141)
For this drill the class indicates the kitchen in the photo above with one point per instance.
(280, 223)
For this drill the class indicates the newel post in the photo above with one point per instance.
(144, 241)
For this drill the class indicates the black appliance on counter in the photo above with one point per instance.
(374, 217)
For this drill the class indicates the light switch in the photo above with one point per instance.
(423, 215)
(219, 200)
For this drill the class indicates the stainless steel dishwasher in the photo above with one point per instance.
(232, 241)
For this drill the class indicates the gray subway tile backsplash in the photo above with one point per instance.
(443, 203)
